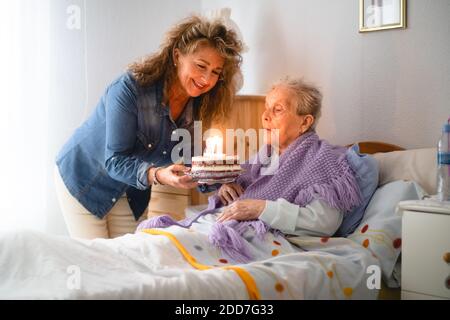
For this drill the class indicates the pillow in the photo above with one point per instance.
(415, 165)
(381, 228)
(366, 173)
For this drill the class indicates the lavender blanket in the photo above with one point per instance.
(308, 169)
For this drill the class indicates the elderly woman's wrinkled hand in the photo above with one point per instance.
(229, 192)
(248, 209)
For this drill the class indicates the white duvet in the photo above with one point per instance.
(35, 265)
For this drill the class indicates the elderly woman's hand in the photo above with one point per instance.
(248, 209)
(229, 192)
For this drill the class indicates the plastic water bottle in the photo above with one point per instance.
(443, 157)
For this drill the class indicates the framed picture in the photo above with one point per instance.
(381, 15)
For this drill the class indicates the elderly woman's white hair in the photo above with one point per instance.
(308, 97)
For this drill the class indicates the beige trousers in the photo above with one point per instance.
(83, 224)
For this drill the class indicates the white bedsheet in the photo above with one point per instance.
(35, 265)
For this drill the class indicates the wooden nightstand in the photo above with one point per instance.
(174, 201)
(425, 250)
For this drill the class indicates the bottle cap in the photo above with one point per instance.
(446, 128)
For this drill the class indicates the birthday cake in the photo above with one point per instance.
(215, 169)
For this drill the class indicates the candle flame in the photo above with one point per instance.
(214, 146)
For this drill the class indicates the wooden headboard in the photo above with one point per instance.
(247, 111)
(372, 147)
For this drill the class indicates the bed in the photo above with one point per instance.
(177, 263)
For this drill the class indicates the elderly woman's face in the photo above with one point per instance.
(280, 114)
(198, 72)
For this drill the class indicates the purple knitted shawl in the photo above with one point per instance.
(308, 169)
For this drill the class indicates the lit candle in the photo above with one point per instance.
(214, 146)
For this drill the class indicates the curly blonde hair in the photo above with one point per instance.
(187, 36)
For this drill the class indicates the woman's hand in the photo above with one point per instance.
(229, 192)
(248, 209)
(175, 176)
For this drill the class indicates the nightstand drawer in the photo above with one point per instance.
(425, 241)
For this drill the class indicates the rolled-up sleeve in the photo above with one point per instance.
(121, 129)
(315, 219)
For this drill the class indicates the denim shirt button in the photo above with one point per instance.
(149, 145)
(113, 199)
(164, 152)
(174, 132)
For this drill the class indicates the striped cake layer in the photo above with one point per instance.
(215, 169)
(215, 174)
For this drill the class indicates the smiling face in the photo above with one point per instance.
(198, 72)
(280, 113)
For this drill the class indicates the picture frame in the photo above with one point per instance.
(375, 15)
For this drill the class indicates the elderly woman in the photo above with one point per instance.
(106, 169)
(307, 194)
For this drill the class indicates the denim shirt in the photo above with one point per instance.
(128, 132)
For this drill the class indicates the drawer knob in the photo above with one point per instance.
(446, 257)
